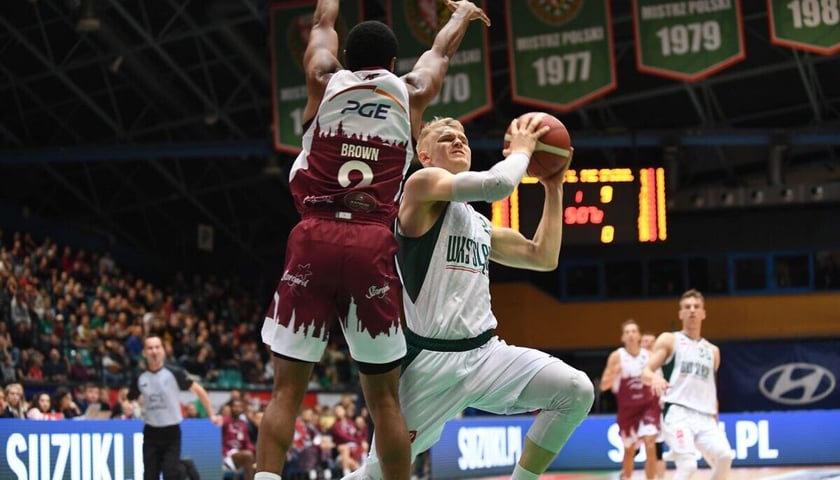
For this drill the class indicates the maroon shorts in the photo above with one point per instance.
(638, 420)
(337, 270)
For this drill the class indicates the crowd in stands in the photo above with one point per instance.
(72, 324)
(72, 316)
(328, 442)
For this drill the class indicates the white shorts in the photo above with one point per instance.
(643, 430)
(437, 386)
(687, 430)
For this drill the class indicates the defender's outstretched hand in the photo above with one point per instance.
(475, 12)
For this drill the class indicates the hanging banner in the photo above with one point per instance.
(290, 26)
(805, 24)
(560, 53)
(689, 40)
(465, 93)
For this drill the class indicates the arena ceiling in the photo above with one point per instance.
(159, 120)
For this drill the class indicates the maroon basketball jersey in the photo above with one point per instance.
(357, 149)
(631, 391)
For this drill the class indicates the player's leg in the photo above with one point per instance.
(628, 462)
(660, 462)
(244, 459)
(649, 442)
(391, 439)
(278, 423)
(523, 380)
(370, 306)
(714, 446)
(296, 329)
(629, 421)
(648, 431)
(676, 427)
(566, 395)
(432, 392)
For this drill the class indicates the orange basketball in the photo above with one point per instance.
(553, 150)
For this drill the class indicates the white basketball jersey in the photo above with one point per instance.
(690, 371)
(631, 367)
(445, 276)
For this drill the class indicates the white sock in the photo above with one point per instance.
(519, 473)
(267, 476)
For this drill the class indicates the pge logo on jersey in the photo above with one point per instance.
(797, 383)
(368, 110)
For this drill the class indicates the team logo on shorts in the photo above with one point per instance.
(555, 12)
(297, 36)
(299, 278)
(377, 291)
(425, 17)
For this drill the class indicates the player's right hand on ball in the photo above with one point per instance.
(524, 135)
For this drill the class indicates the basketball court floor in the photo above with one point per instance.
(741, 473)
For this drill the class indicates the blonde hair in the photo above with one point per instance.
(20, 410)
(693, 293)
(435, 124)
(629, 321)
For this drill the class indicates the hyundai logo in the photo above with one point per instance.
(797, 383)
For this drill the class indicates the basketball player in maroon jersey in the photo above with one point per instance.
(360, 122)
(638, 408)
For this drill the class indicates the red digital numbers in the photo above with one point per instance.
(582, 214)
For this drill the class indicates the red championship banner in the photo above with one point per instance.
(290, 26)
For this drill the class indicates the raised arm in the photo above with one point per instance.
(439, 185)
(429, 187)
(662, 349)
(542, 252)
(611, 372)
(321, 56)
(425, 79)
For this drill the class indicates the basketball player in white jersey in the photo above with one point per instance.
(638, 408)
(454, 360)
(339, 266)
(689, 392)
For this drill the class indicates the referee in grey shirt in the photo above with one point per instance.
(160, 386)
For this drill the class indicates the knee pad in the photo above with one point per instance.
(574, 399)
(726, 456)
(722, 465)
(567, 409)
(686, 464)
(584, 395)
(719, 458)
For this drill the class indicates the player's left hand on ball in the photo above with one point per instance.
(560, 177)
